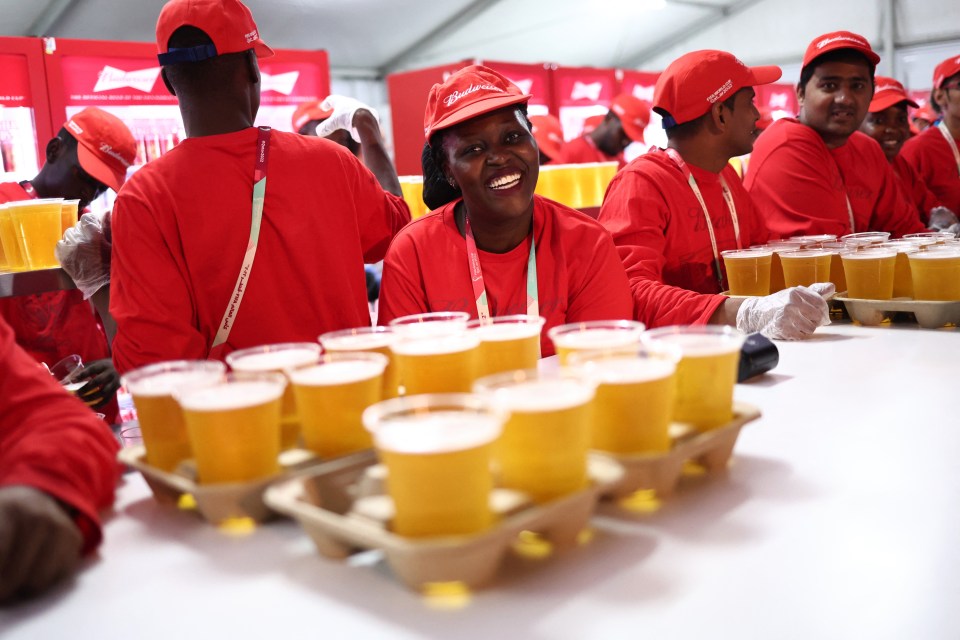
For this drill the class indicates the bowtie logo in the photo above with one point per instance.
(524, 85)
(112, 78)
(281, 83)
(643, 92)
(778, 100)
(588, 91)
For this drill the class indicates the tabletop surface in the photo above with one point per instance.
(838, 518)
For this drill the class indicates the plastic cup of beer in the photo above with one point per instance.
(805, 266)
(38, 223)
(13, 252)
(748, 271)
(814, 241)
(706, 372)
(507, 343)
(332, 395)
(865, 238)
(69, 215)
(161, 420)
(869, 272)
(234, 426)
(837, 276)
(370, 339)
(543, 449)
(776, 269)
(435, 353)
(936, 274)
(437, 449)
(277, 358)
(595, 335)
(902, 280)
(634, 401)
(937, 237)
(412, 189)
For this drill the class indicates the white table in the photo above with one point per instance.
(839, 518)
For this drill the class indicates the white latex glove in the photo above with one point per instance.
(84, 253)
(954, 229)
(791, 314)
(941, 219)
(344, 109)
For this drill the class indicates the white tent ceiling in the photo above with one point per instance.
(368, 38)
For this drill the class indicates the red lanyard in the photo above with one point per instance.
(731, 207)
(476, 275)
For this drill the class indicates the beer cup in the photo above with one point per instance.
(69, 215)
(865, 238)
(332, 395)
(14, 255)
(234, 426)
(706, 373)
(936, 274)
(804, 267)
(412, 189)
(38, 224)
(437, 450)
(776, 269)
(507, 343)
(435, 353)
(748, 271)
(277, 358)
(598, 335)
(369, 339)
(633, 406)
(870, 272)
(160, 417)
(935, 237)
(543, 449)
(814, 241)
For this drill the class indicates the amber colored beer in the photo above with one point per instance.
(442, 364)
(805, 267)
(437, 449)
(706, 373)
(277, 358)
(13, 252)
(332, 395)
(412, 189)
(507, 343)
(634, 402)
(161, 420)
(869, 273)
(748, 271)
(371, 340)
(234, 428)
(601, 335)
(936, 274)
(69, 215)
(38, 223)
(543, 449)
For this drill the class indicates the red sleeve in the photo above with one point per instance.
(50, 441)
(380, 215)
(894, 211)
(636, 215)
(402, 290)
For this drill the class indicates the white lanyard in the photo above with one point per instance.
(476, 275)
(951, 142)
(731, 206)
(853, 227)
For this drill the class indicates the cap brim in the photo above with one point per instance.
(262, 50)
(765, 74)
(633, 132)
(887, 100)
(99, 169)
(476, 109)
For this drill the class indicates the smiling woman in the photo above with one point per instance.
(493, 248)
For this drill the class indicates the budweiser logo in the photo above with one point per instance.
(524, 85)
(888, 86)
(719, 93)
(281, 83)
(113, 78)
(252, 36)
(73, 126)
(455, 97)
(107, 149)
(778, 100)
(643, 92)
(588, 91)
(857, 41)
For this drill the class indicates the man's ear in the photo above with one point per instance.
(718, 116)
(939, 98)
(55, 149)
(166, 82)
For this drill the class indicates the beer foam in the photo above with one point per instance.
(629, 370)
(237, 395)
(537, 396)
(870, 254)
(337, 372)
(432, 329)
(504, 331)
(359, 341)
(437, 432)
(165, 383)
(274, 360)
(436, 346)
(942, 254)
(597, 338)
(701, 345)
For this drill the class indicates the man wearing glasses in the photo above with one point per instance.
(89, 155)
(934, 153)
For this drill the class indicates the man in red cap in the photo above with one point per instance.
(818, 173)
(623, 124)
(673, 211)
(90, 154)
(548, 133)
(935, 153)
(887, 123)
(242, 236)
(923, 117)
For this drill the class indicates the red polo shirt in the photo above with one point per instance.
(914, 188)
(931, 156)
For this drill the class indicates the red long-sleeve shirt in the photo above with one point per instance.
(931, 156)
(914, 188)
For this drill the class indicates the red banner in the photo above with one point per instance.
(15, 91)
(291, 82)
(531, 78)
(639, 84)
(777, 97)
(584, 86)
(103, 81)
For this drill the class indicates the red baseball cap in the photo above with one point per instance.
(467, 93)
(309, 111)
(105, 146)
(592, 123)
(695, 81)
(229, 24)
(548, 133)
(925, 112)
(634, 115)
(888, 92)
(840, 40)
(946, 69)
